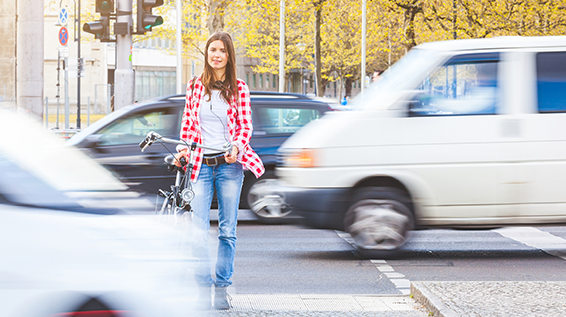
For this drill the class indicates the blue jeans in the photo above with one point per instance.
(227, 179)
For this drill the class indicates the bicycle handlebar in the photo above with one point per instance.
(153, 136)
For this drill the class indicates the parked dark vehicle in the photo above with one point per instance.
(113, 142)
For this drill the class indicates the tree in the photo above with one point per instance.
(261, 37)
(216, 11)
(320, 84)
(341, 43)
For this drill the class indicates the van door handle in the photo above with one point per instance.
(511, 128)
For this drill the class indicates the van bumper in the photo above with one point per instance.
(322, 208)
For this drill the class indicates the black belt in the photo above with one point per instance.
(215, 160)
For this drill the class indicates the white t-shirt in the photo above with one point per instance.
(214, 121)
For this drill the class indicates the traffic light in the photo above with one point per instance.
(105, 7)
(146, 20)
(100, 29)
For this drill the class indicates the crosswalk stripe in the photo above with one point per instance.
(401, 283)
(536, 238)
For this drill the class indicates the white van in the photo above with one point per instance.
(468, 133)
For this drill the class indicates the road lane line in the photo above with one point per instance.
(401, 283)
(536, 238)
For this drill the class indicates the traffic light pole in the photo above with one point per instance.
(123, 74)
(79, 66)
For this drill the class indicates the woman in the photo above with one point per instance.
(218, 111)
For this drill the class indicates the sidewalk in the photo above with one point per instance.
(451, 299)
(314, 305)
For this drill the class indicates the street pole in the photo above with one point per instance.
(58, 86)
(363, 71)
(179, 47)
(123, 75)
(282, 47)
(79, 66)
(66, 92)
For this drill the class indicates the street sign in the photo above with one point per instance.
(63, 51)
(72, 67)
(63, 36)
(63, 16)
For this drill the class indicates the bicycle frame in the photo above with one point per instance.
(181, 194)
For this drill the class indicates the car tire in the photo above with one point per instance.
(379, 220)
(268, 205)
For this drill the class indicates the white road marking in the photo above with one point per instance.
(536, 238)
(398, 279)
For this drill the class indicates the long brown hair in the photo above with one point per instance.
(229, 88)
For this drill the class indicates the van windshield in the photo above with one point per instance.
(378, 95)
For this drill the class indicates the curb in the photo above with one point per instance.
(422, 295)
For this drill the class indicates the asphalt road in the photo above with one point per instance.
(293, 259)
(281, 262)
(477, 255)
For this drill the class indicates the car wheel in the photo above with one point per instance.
(265, 202)
(379, 218)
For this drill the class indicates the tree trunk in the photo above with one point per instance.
(215, 20)
(411, 8)
(348, 86)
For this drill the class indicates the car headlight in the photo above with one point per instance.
(301, 158)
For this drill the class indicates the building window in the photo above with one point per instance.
(260, 80)
(267, 81)
(254, 80)
(248, 78)
(311, 81)
(274, 81)
(152, 84)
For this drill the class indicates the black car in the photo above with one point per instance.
(113, 142)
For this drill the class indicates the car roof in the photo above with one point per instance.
(257, 97)
(502, 42)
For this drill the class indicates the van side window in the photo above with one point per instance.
(283, 120)
(551, 82)
(465, 85)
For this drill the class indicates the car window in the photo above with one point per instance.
(551, 81)
(283, 120)
(466, 85)
(132, 128)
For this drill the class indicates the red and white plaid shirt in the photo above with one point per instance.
(239, 127)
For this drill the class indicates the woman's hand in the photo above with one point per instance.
(233, 156)
(178, 157)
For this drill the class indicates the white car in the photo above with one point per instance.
(67, 257)
(467, 133)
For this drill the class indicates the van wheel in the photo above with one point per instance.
(267, 204)
(379, 218)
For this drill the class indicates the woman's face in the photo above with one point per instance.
(217, 56)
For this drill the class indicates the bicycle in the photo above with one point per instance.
(177, 202)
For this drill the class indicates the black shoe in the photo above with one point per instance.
(221, 298)
(204, 301)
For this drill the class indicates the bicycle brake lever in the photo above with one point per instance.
(143, 144)
(228, 148)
